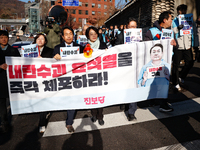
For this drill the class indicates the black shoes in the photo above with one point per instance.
(100, 121)
(93, 119)
(165, 108)
(131, 117)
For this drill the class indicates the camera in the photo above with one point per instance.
(49, 22)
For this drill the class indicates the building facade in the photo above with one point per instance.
(147, 11)
(91, 10)
(32, 14)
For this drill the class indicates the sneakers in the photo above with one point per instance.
(165, 108)
(101, 122)
(93, 119)
(131, 117)
(42, 129)
(70, 128)
(178, 87)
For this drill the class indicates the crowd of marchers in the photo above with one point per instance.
(103, 38)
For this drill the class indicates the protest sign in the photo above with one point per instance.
(187, 21)
(132, 35)
(167, 34)
(115, 32)
(107, 78)
(82, 40)
(64, 51)
(30, 51)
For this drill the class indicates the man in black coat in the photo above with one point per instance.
(67, 35)
(130, 113)
(5, 50)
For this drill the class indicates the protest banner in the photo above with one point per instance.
(115, 32)
(82, 40)
(167, 34)
(64, 51)
(30, 51)
(132, 35)
(187, 21)
(107, 78)
(70, 2)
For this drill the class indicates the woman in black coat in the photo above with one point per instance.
(95, 43)
(41, 41)
(45, 52)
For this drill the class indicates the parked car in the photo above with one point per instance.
(19, 44)
(27, 35)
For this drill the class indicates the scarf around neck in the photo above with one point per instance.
(94, 45)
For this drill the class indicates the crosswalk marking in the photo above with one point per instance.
(193, 145)
(119, 118)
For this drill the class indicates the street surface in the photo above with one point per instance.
(179, 129)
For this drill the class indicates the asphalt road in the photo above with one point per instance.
(179, 127)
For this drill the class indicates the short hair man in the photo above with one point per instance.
(5, 50)
(131, 24)
(183, 52)
(165, 21)
(67, 35)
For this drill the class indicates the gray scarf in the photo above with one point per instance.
(94, 45)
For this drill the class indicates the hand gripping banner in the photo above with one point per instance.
(122, 74)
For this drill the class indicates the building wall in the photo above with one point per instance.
(148, 11)
(99, 12)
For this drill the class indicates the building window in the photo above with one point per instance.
(80, 20)
(110, 0)
(93, 5)
(74, 19)
(105, 13)
(105, 0)
(99, 12)
(105, 6)
(93, 12)
(80, 3)
(99, 5)
(86, 4)
(73, 11)
(80, 12)
(86, 12)
(86, 19)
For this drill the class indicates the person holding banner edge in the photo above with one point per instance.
(92, 35)
(5, 50)
(132, 107)
(44, 52)
(67, 35)
(154, 33)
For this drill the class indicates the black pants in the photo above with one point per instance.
(43, 119)
(179, 55)
(3, 111)
(98, 113)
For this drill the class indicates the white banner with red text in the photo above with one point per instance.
(122, 74)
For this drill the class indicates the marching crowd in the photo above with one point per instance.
(103, 38)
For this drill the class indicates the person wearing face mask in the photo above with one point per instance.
(95, 43)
